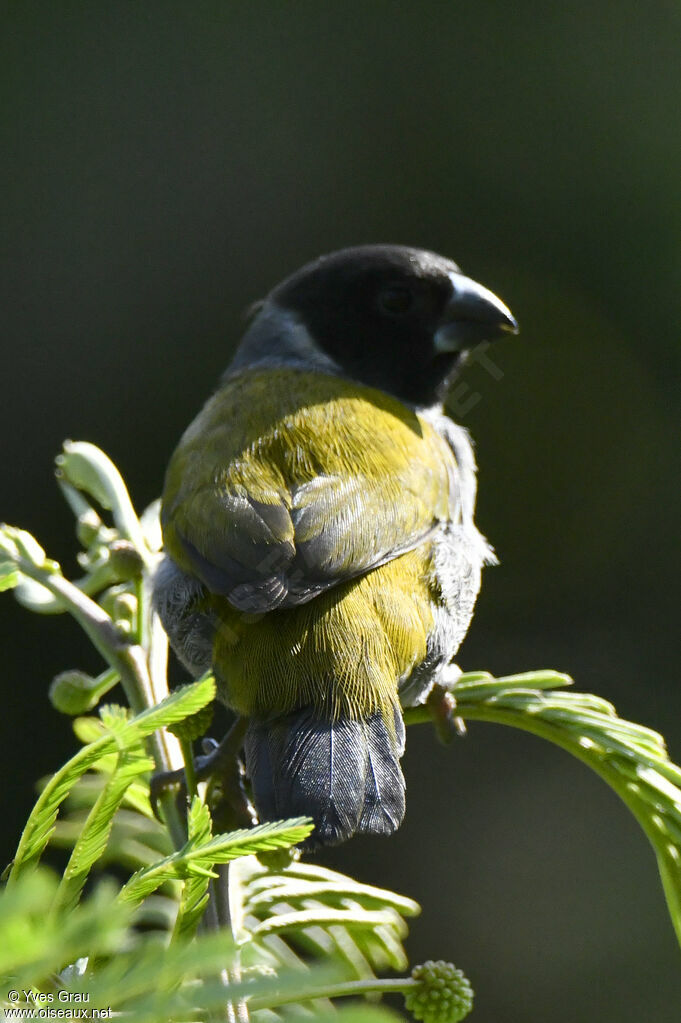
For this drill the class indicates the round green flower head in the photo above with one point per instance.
(443, 995)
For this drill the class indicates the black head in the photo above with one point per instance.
(396, 318)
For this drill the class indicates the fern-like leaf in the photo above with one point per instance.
(195, 888)
(122, 734)
(199, 858)
(304, 911)
(96, 830)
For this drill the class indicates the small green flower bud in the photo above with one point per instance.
(193, 726)
(443, 995)
(125, 612)
(88, 527)
(125, 559)
(94, 559)
(121, 605)
(18, 543)
(75, 692)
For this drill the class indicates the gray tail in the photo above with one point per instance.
(345, 774)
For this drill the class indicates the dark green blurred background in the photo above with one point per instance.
(166, 164)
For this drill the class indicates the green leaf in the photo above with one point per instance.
(88, 729)
(326, 917)
(305, 881)
(134, 841)
(18, 545)
(305, 911)
(20, 553)
(134, 973)
(87, 468)
(158, 982)
(123, 734)
(33, 945)
(94, 836)
(137, 838)
(220, 849)
(195, 888)
(9, 576)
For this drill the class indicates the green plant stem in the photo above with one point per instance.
(345, 989)
(151, 680)
(218, 917)
(189, 770)
(112, 644)
(127, 659)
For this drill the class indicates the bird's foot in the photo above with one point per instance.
(221, 764)
(163, 781)
(441, 704)
(229, 804)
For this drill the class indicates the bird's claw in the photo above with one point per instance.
(163, 781)
(441, 704)
(229, 803)
(221, 763)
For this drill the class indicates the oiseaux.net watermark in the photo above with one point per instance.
(33, 1004)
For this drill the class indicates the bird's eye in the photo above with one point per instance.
(396, 300)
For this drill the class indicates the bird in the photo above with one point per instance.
(320, 551)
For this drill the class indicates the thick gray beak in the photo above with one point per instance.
(473, 314)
